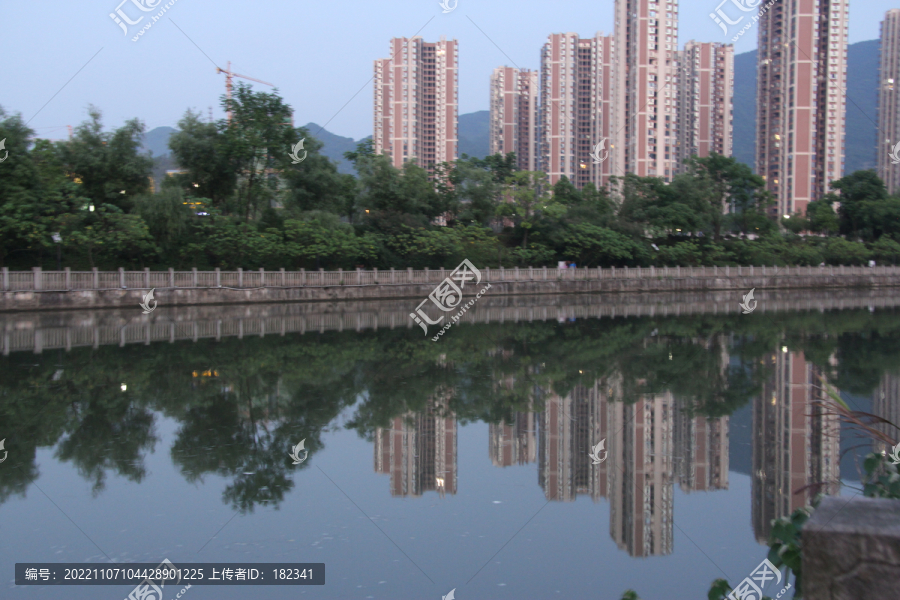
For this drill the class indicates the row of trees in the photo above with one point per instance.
(239, 201)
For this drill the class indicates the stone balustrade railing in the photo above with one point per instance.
(68, 280)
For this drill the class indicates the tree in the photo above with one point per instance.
(566, 193)
(109, 164)
(200, 149)
(857, 193)
(821, 215)
(591, 246)
(528, 193)
(258, 141)
(724, 182)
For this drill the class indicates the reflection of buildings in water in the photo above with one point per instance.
(641, 477)
(570, 425)
(886, 404)
(650, 445)
(419, 451)
(794, 443)
(514, 443)
(701, 452)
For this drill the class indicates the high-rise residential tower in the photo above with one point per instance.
(577, 109)
(646, 34)
(889, 101)
(800, 110)
(416, 104)
(705, 95)
(514, 115)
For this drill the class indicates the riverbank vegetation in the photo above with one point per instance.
(239, 200)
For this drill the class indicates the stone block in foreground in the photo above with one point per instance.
(851, 550)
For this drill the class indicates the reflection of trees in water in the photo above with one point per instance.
(242, 404)
(119, 432)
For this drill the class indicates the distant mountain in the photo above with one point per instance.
(862, 106)
(335, 146)
(862, 112)
(474, 133)
(157, 140)
(744, 115)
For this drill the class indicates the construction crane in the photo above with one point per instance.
(228, 76)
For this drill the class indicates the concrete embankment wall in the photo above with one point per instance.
(111, 298)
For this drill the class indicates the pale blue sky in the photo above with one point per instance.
(319, 54)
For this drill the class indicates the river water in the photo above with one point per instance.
(462, 464)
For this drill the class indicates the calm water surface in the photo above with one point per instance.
(432, 466)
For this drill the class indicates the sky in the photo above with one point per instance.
(319, 54)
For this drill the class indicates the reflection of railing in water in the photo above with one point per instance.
(38, 331)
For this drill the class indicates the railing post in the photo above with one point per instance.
(36, 271)
(678, 271)
(612, 272)
(487, 274)
(68, 278)
(715, 270)
(283, 278)
(240, 277)
(5, 279)
(194, 277)
(517, 273)
(393, 271)
(302, 277)
(375, 276)
(409, 274)
(751, 270)
(95, 278)
(545, 272)
(122, 277)
(502, 274)
(531, 273)
(262, 277)
(218, 277)
(146, 277)
(340, 276)
(171, 277)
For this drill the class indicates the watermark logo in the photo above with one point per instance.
(3, 147)
(144, 6)
(721, 18)
(894, 153)
(595, 452)
(445, 4)
(296, 450)
(294, 152)
(598, 154)
(895, 455)
(746, 306)
(448, 295)
(146, 303)
(449, 596)
(3, 441)
(152, 587)
(751, 587)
